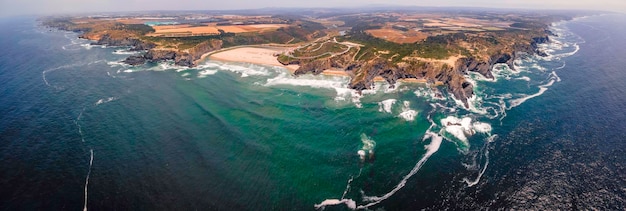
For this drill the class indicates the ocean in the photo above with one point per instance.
(81, 130)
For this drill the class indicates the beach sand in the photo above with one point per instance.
(263, 56)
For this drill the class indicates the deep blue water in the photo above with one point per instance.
(78, 129)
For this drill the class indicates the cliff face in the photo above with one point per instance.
(137, 44)
(365, 72)
(453, 77)
(508, 58)
(187, 57)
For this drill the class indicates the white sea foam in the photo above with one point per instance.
(105, 100)
(443, 107)
(463, 128)
(474, 103)
(481, 77)
(125, 52)
(367, 150)
(475, 181)
(543, 88)
(185, 74)
(45, 72)
(348, 202)
(390, 89)
(205, 73)
(339, 84)
(246, 71)
(87, 46)
(459, 128)
(385, 105)
(72, 46)
(555, 76)
(429, 93)
(481, 127)
(77, 123)
(538, 67)
(87, 178)
(523, 78)
(118, 63)
(407, 113)
(164, 66)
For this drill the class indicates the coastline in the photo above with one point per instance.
(265, 56)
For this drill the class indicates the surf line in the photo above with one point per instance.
(431, 148)
(87, 178)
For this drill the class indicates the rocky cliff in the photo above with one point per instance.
(109, 40)
(188, 57)
(453, 77)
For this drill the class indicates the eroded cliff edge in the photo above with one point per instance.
(449, 72)
(183, 57)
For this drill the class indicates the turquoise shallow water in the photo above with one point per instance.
(80, 129)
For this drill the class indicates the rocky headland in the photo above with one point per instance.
(364, 72)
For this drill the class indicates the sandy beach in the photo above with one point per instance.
(263, 56)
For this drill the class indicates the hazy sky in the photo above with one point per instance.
(21, 7)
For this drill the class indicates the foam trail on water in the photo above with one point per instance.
(431, 148)
(348, 202)
(43, 74)
(555, 76)
(87, 178)
(103, 100)
(543, 88)
(350, 182)
(80, 130)
(471, 183)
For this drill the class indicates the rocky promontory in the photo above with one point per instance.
(188, 57)
(452, 76)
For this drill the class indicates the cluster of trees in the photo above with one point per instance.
(437, 47)
(141, 29)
